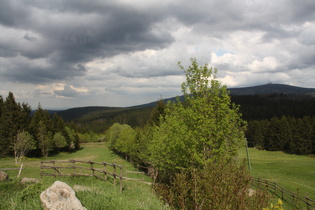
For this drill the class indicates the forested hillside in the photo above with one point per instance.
(279, 117)
(266, 115)
(99, 119)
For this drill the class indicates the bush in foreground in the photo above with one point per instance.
(221, 185)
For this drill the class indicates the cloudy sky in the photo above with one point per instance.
(72, 53)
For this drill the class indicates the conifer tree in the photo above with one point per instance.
(44, 137)
(14, 117)
(158, 112)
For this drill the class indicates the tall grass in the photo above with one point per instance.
(93, 193)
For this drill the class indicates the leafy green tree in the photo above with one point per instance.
(125, 142)
(72, 138)
(59, 140)
(143, 140)
(113, 134)
(24, 143)
(204, 128)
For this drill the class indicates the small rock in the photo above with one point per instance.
(28, 180)
(78, 188)
(251, 192)
(3, 176)
(60, 196)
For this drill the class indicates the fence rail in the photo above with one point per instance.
(62, 168)
(11, 169)
(286, 195)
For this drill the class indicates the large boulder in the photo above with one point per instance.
(3, 176)
(60, 196)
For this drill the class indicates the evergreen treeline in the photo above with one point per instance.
(279, 122)
(40, 134)
(260, 107)
(288, 134)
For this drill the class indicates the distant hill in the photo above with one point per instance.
(79, 112)
(271, 89)
(258, 102)
(267, 89)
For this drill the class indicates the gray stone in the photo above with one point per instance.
(60, 196)
(3, 176)
(29, 180)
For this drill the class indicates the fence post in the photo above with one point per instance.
(74, 168)
(91, 166)
(114, 166)
(54, 167)
(105, 173)
(41, 170)
(121, 179)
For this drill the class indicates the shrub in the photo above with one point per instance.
(221, 185)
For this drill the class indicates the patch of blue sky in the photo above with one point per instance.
(221, 52)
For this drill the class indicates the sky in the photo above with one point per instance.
(76, 53)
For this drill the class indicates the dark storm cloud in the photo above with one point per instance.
(67, 33)
(223, 17)
(26, 73)
(53, 40)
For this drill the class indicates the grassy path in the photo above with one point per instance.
(93, 193)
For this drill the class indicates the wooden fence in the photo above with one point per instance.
(293, 198)
(11, 169)
(98, 170)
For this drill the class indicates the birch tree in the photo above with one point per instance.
(206, 126)
(23, 144)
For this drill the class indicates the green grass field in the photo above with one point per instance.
(293, 172)
(92, 192)
(290, 171)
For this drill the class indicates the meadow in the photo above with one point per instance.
(293, 172)
(93, 193)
